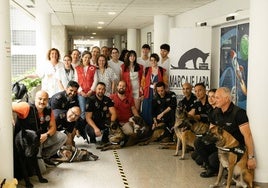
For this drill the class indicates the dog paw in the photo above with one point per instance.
(181, 158)
(175, 155)
(43, 180)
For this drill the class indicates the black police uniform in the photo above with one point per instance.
(60, 100)
(202, 110)
(160, 104)
(187, 104)
(100, 115)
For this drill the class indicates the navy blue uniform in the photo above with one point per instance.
(160, 104)
(187, 104)
(100, 115)
(61, 101)
(202, 110)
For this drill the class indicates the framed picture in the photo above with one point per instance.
(149, 38)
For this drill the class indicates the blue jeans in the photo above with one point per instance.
(82, 104)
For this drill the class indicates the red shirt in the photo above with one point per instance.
(123, 107)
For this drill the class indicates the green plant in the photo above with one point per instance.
(31, 82)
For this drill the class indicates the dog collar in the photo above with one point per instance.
(74, 154)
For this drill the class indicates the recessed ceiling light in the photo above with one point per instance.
(99, 27)
(111, 13)
(92, 37)
(101, 23)
(94, 33)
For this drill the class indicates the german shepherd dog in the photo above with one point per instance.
(116, 136)
(184, 135)
(26, 147)
(72, 154)
(118, 139)
(232, 156)
(158, 134)
(187, 129)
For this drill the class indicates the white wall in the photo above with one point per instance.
(59, 40)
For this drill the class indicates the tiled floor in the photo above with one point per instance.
(133, 167)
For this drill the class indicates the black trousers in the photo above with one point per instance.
(90, 132)
(208, 153)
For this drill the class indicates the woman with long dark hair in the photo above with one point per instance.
(131, 73)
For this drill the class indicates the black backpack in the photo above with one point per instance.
(19, 90)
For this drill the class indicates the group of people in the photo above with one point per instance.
(79, 95)
(85, 97)
(216, 108)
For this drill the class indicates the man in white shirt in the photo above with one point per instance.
(145, 56)
(164, 61)
(114, 62)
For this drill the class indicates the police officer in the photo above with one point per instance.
(163, 108)
(200, 112)
(99, 113)
(67, 121)
(65, 99)
(201, 106)
(189, 98)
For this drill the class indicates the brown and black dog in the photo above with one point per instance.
(232, 156)
(72, 154)
(118, 139)
(156, 135)
(184, 135)
(187, 129)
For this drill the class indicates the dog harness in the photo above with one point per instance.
(238, 150)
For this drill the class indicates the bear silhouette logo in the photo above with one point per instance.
(192, 55)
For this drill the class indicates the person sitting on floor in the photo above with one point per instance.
(125, 106)
(163, 109)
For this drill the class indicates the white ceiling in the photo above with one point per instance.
(81, 17)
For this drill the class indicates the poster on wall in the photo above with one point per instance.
(190, 51)
(234, 62)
